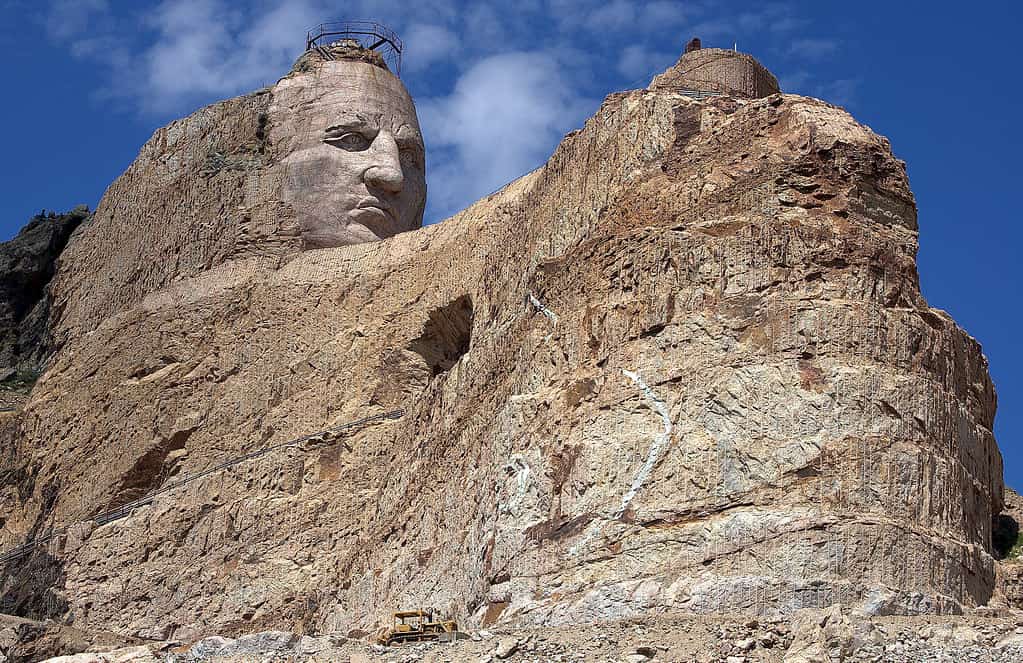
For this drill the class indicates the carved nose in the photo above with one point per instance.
(385, 173)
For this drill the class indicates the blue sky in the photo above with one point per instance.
(89, 80)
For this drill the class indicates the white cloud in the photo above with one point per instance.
(169, 59)
(775, 17)
(617, 15)
(786, 24)
(840, 92)
(526, 71)
(502, 119)
(813, 49)
(72, 18)
(196, 51)
(639, 64)
(713, 29)
(664, 14)
(795, 82)
(189, 53)
(773, 20)
(425, 45)
(614, 18)
(484, 28)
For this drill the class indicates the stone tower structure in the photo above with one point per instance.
(718, 70)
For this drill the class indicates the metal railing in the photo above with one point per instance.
(368, 34)
(698, 94)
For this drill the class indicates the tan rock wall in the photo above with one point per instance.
(699, 375)
(1008, 545)
(192, 199)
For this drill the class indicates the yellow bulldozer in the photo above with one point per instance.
(419, 625)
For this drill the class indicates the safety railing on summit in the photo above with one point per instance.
(368, 34)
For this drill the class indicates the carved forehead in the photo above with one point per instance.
(348, 89)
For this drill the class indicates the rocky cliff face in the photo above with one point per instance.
(686, 365)
(27, 263)
(1008, 545)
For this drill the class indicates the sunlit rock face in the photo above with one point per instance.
(355, 169)
(683, 366)
(329, 156)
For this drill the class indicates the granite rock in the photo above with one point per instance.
(684, 366)
(27, 263)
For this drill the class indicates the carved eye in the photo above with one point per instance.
(351, 141)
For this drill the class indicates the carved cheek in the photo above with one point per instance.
(414, 176)
(337, 168)
(311, 168)
(417, 183)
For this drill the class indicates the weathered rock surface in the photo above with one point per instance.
(1008, 544)
(27, 263)
(685, 366)
(24, 640)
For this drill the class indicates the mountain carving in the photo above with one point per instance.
(684, 366)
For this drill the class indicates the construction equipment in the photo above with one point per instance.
(419, 625)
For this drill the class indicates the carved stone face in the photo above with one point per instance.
(356, 172)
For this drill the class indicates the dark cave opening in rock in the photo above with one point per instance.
(446, 335)
(1005, 536)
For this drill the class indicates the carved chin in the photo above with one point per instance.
(369, 224)
(380, 222)
(353, 233)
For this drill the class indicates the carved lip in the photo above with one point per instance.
(377, 204)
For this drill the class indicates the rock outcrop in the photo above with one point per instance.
(684, 366)
(1008, 545)
(810, 636)
(27, 263)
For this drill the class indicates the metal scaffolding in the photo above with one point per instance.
(368, 34)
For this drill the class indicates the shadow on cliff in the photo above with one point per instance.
(1005, 537)
(31, 582)
(27, 265)
(446, 335)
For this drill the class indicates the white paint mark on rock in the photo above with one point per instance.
(657, 448)
(551, 315)
(517, 466)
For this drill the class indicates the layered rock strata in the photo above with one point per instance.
(685, 365)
